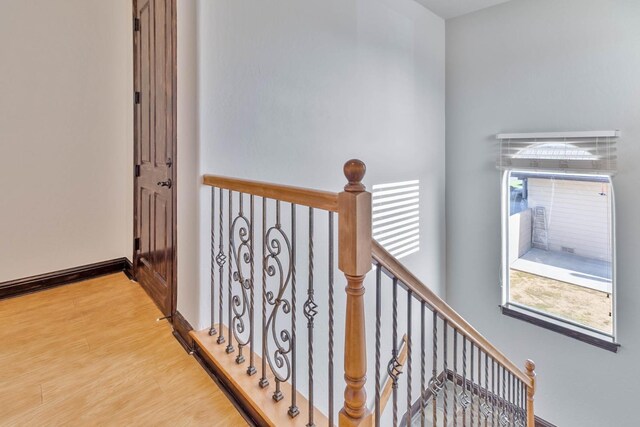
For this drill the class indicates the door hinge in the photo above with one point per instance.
(136, 244)
(137, 171)
(136, 24)
(136, 97)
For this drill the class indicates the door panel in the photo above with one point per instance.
(154, 261)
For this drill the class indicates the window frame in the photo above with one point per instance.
(541, 318)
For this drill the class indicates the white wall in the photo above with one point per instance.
(289, 91)
(65, 134)
(544, 65)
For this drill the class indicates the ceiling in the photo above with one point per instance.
(452, 8)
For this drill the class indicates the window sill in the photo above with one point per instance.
(585, 336)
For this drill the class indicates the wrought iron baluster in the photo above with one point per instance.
(444, 369)
(212, 329)
(230, 348)
(293, 409)
(409, 356)
(264, 382)
(423, 363)
(277, 242)
(513, 398)
(463, 397)
(242, 250)
(486, 408)
(473, 385)
(433, 383)
(493, 390)
(251, 370)
(331, 316)
(378, 327)
(393, 368)
(221, 259)
(310, 311)
(504, 419)
(455, 377)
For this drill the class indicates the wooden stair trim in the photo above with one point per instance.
(318, 199)
(246, 387)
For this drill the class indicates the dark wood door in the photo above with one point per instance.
(154, 212)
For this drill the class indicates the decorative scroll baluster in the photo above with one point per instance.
(331, 319)
(455, 377)
(423, 364)
(409, 357)
(378, 327)
(221, 259)
(394, 367)
(310, 311)
(230, 348)
(212, 329)
(276, 241)
(264, 382)
(242, 251)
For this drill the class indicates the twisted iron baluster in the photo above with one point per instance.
(293, 409)
(409, 356)
(463, 398)
(264, 382)
(494, 393)
(393, 368)
(221, 259)
(433, 384)
(251, 370)
(504, 419)
(488, 412)
(378, 316)
(331, 269)
(230, 348)
(310, 311)
(455, 377)
(423, 363)
(212, 330)
(472, 384)
(444, 368)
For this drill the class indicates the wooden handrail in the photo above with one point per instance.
(393, 266)
(319, 199)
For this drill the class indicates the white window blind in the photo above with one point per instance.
(575, 152)
(396, 217)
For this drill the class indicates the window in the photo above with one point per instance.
(558, 237)
(396, 217)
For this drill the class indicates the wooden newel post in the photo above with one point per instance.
(531, 373)
(354, 260)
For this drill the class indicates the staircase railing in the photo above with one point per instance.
(255, 319)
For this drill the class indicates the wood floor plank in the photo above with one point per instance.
(92, 353)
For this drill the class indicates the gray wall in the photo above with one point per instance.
(544, 65)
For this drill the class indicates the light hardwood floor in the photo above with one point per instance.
(92, 353)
